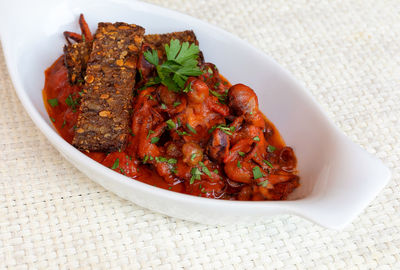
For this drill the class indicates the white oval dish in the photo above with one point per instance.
(338, 178)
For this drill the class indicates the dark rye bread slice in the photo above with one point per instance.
(158, 41)
(76, 56)
(103, 123)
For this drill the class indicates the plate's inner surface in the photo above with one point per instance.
(281, 99)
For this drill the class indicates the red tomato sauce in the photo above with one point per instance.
(64, 114)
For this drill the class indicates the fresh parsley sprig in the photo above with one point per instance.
(181, 63)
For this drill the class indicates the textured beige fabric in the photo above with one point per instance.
(347, 53)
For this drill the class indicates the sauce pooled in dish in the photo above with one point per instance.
(149, 107)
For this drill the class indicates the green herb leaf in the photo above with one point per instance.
(53, 102)
(63, 124)
(151, 82)
(182, 133)
(256, 138)
(177, 103)
(73, 103)
(116, 164)
(205, 169)
(170, 124)
(257, 172)
(52, 119)
(154, 140)
(196, 174)
(150, 132)
(146, 157)
(181, 63)
(161, 159)
(191, 128)
(172, 161)
(239, 165)
(172, 49)
(163, 106)
(188, 88)
(271, 148)
(151, 57)
(224, 128)
(193, 156)
(263, 183)
(242, 154)
(174, 170)
(222, 98)
(268, 163)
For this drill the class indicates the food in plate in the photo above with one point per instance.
(150, 108)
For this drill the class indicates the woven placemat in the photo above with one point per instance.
(345, 52)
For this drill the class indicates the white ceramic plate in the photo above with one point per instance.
(338, 178)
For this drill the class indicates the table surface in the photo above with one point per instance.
(345, 52)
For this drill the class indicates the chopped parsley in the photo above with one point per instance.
(52, 119)
(268, 163)
(163, 106)
(239, 165)
(177, 103)
(223, 127)
(171, 124)
(174, 170)
(116, 164)
(63, 124)
(182, 133)
(263, 183)
(242, 154)
(161, 159)
(196, 174)
(205, 169)
(257, 172)
(188, 88)
(172, 161)
(271, 148)
(154, 140)
(73, 103)
(256, 138)
(150, 132)
(193, 156)
(53, 102)
(221, 97)
(191, 128)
